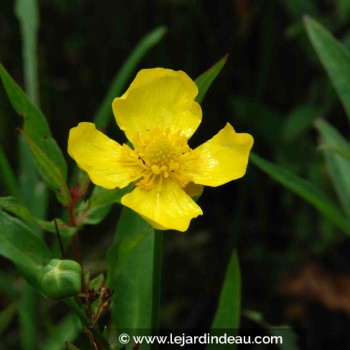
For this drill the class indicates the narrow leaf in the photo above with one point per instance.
(120, 252)
(27, 13)
(304, 189)
(13, 206)
(34, 121)
(205, 80)
(228, 312)
(334, 57)
(49, 170)
(22, 247)
(104, 113)
(133, 278)
(7, 177)
(35, 125)
(50, 226)
(338, 166)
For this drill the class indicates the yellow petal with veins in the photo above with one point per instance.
(221, 159)
(170, 208)
(158, 98)
(100, 157)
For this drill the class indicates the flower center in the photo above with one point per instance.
(159, 155)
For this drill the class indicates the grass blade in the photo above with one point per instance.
(304, 189)
(334, 57)
(338, 165)
(205, 80)
(228, 311)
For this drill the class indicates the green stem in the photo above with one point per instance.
(88, 323)
(157, 274)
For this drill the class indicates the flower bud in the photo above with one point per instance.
(61, 279)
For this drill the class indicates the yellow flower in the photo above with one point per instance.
(158, 114)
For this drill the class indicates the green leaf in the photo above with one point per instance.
(334, 57)
(104, 113)
(304, 189)
(33, 191)
(49, 171)
(28, 308)
(35, 123)
(96, 208)
(13, 206)
(228, 312)
(37, 132)
(298, 121)
(130, 273)
(27, 13)
(338, 165)
(120, 252)
(22, 247)
(205, 80)
(50, 226)
(7, 177)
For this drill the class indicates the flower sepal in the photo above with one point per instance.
(60, 279)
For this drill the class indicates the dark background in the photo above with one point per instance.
(295, 265)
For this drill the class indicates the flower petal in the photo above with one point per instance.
(169, 209)
(158, 98)
(221, 159)
(100, 157)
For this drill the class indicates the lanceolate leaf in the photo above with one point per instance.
(338, 165)
(205, 80)
(306, 190)
(120, 252)
(22, 247)
(228, 311)
(334, 57)
(13, 206)
(37, 131)
(49, 170)
(131, 266)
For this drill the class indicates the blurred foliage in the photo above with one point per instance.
(272, 86)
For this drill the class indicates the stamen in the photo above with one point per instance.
(158, 153)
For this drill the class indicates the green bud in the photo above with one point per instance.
(61, 279)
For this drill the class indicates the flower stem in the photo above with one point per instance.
(157, 274)
(88, 324)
